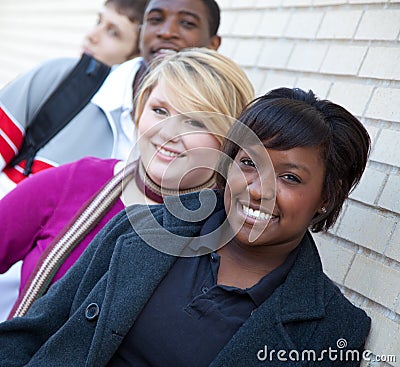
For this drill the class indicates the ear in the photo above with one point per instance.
(215, 42)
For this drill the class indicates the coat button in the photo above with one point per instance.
(92, 312)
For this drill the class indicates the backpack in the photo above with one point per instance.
(68, 99)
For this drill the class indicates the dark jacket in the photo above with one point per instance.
(85, 316)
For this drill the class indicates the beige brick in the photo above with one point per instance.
(373, 132)
(374, 280)
(366, 227)
(384, 105)
(329, 2)
(276, 80)
(352, 96)
(336, 260)
(382, 63)
(390, 198)
(228, 46)
(304, 24)
(273, 23)
(387, 147)
(224, 4)
(379, 25)
(247, 52)
(343, 59)
(256, 77)
(247, 23)
(384, 337)
(242, 4)
(307, 57)
(369, 187)
(393, 250)
(228, 21)
(275, 54)
(362, 1)
(319, 86)
(297, 2)
(267, 4)
(348, 23)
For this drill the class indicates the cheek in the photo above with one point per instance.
(235, 181)
(207, 141)
(227, 198)
(146, 123)
(299, 203)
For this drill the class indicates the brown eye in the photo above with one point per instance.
(291, 178)
(247, 162)
(188, 24)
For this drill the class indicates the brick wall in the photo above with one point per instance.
(32, 31)
(344, 50)
(349, 52)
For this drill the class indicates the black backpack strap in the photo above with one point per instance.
(68, 99)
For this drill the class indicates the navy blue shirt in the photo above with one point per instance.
(190, 318)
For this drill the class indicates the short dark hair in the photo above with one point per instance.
(133, 9)
(288, 118)
(214, 15)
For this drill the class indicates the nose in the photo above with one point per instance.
(168, 29)
(262, 187)
(93, 35)
(169, 130)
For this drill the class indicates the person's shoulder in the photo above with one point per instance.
(128, 65)
(116, 90)
(93, 163)
(57, 65)
(344, 312)
(90, 168)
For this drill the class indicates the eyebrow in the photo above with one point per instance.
(294, 166)
(159, 100)
(194, 15)
(182, 12)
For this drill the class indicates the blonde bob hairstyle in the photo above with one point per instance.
(200, 80)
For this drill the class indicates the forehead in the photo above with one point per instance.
(195, 7)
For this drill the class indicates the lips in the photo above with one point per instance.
(167, 152)
(165, 50)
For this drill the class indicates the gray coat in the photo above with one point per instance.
(119, 272)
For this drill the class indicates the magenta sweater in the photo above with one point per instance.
(36, 211)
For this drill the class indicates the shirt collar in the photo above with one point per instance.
(116, 91)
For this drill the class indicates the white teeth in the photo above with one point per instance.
(167, 152)
(167, 51)
(256, 214)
